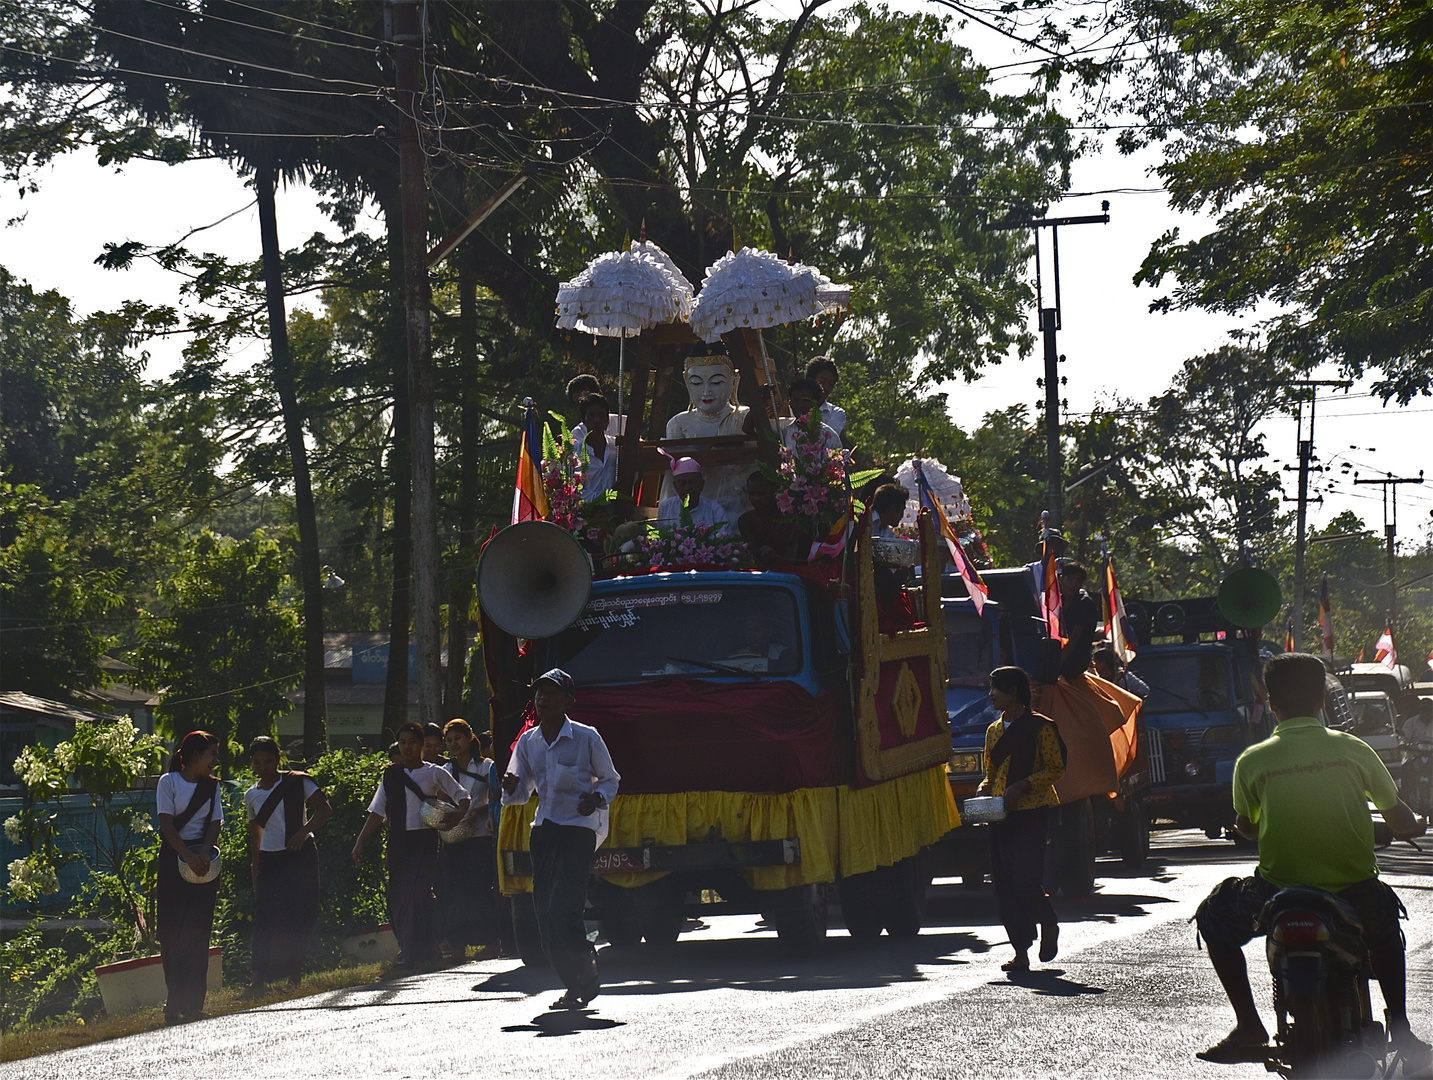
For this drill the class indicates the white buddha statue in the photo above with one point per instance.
(711, 388)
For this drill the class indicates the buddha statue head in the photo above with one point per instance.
(711, 384)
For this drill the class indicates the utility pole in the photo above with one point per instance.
(1390, 528)
(1049, 324)
(409, 38)
(1306, 455)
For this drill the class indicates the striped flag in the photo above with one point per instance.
(529, 500)
(1118, 620)
(1383, 650)
(835, 540)
(1050, 592)
(1289, 637)
(974, 587)
(1360, 657)
(1326, 618)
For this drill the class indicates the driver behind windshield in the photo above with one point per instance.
(1303, 794)
(758, 641)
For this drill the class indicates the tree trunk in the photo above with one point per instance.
(460, 594)
(395, 694)
(310, 569)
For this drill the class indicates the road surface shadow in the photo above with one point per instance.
(1049, 982)
(565, 1022)
(955, 905)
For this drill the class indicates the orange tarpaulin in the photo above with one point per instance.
(1099, 723)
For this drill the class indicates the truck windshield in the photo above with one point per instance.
(711, 631)
(1185, 682)
(969, 655)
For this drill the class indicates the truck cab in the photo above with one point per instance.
(1201, 712)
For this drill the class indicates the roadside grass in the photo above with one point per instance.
(51, 1037)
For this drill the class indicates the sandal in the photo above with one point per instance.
(1019, 963)
(568, 1000)
(1232, 1051)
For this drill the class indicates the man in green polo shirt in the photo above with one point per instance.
(1303, 794)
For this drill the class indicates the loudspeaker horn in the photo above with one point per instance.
(534, 579)
(1250, 597)
(1169, 619)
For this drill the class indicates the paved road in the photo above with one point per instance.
(1129, 996)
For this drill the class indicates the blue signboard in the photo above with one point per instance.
(370, 663)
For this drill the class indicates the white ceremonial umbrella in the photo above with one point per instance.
(757, 289)
(946, 488)
(622, 293)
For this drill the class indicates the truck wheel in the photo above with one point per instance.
(801, 919)
(621, 920)
(648, 911)
(525, 935)
(860, 906)
(1134, 833)
(905, 896)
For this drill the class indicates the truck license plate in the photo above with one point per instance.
(621, 861)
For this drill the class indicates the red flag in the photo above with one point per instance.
(974, 587)
(1289, 637)
(1115, 626)
(1326, 618)
(1384, 652)
(1360, 657)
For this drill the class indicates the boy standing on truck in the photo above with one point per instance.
(568, 766)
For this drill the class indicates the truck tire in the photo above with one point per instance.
(801, 919)
(1134, 833)
(648, 911)
(861, 906)
(525, 935)
(904, 898)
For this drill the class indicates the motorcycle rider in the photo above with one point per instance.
(1303, 794)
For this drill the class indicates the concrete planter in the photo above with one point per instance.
(139, 984)
(375, 947)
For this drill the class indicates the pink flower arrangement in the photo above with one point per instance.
(812, 479)
(563, 483)
(692, 545)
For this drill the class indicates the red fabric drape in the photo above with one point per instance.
(690, 735)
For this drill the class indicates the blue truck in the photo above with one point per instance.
(1011, 630)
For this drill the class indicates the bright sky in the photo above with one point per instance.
(1114, 345)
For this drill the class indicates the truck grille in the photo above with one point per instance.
(1156, 756)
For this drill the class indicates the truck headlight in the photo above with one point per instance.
(1191, 769)
(965, 764)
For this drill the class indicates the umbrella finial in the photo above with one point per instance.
(735, 242)
(644, 230)
(627, 240)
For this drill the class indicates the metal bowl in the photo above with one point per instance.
(983, 809)
(463, 830)
(193, 878)
(433, 812)
(896, 550)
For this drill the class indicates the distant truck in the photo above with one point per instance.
(1011, 630)
(1205, 705)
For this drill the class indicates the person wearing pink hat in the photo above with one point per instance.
(688, 480)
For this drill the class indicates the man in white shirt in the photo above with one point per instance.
(600, 449)
(569, 768)
(687, 478)
(284, 867)
(825, 375)
(578, 389)
(1419, 727)
(804, 396)
(412, 847)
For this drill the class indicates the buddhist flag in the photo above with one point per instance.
(529, 500)
(1050, 592)
(1326, 618)
(1430, 660)
(1384, 653)
(1289, 637)
(974, 587)
(1117, 619)
(1360, 657)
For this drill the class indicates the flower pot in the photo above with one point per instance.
(138, 984)
(375, 947)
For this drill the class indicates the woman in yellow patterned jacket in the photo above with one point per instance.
(1024, 756)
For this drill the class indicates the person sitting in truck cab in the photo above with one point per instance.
(1303, 794)
(1419, 728)
(688, 480)
(758, 643)
(1107, 666)
(773, 537)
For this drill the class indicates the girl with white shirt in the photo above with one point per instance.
(467, 869)
(412, 847)
(284, 865)
(190, 814)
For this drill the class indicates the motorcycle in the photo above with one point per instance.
(1320, 967)
(1417, 776)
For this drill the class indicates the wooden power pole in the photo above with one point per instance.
(409, 40)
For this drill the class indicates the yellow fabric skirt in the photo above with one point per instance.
(843, 830)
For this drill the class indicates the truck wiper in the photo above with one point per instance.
(722, 668)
